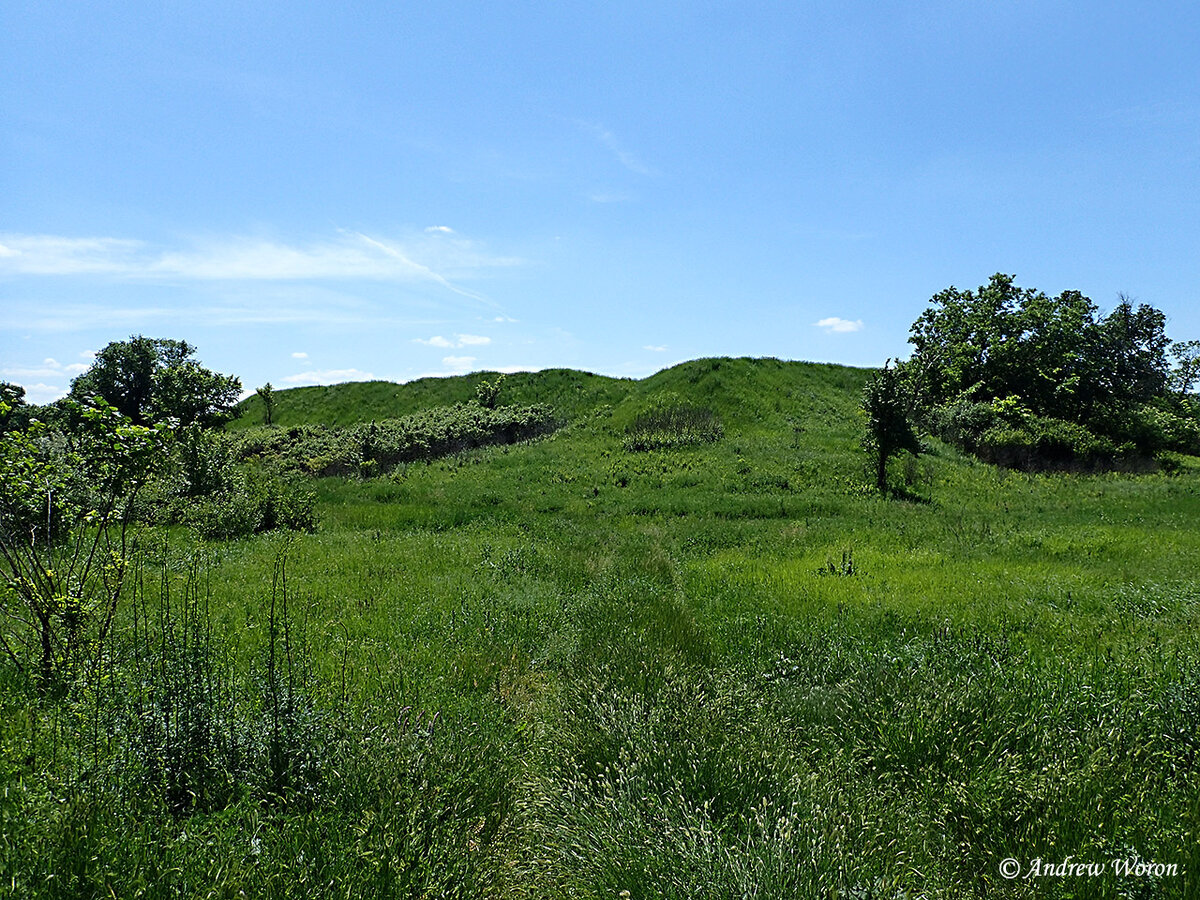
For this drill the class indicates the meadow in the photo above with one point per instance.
(611, 663)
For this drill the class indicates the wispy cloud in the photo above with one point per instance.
(656, 348)
(291, 304)
(50, 368)
(299, 354)
(609, 140)
(45, 254)
(350, 256)
(837, 325)
(460, 340)
(328, 376)
(458, 363)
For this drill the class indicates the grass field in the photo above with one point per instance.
(565, 669)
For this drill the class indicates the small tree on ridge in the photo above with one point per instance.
(889, 432)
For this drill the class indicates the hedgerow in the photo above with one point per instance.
(377, 447)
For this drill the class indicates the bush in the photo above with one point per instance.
(377, 447)
(962, 422)
(1043, 442)
(254, 502)
(1158, 429)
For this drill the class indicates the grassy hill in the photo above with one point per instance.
(564, 669)
(734, 387)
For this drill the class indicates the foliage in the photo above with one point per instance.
(378, 447)
(203, 485)
(15, 413)
(155, 379)
(64, 578)
(1084, 379)
(556, 669)
(487, 394)
(267, 393)
(888, 431)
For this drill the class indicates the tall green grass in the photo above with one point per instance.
(726, 669)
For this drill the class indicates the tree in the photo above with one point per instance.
(64, 520)
(1092, 386)
(14, 411)
(155, 379)
(268, 398)
(889, 431)
(1133, 347)
(1186, 371)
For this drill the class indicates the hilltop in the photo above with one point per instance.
(740, 389)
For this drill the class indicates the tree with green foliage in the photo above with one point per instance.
(889, 431)
(14, 411)
(155, 379)
(1090, 385)
(267, 393)
(64, 518)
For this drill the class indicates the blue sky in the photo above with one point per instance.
(318, 192)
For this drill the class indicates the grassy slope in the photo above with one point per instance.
(731, 670)
(365, 401)
(596, 585)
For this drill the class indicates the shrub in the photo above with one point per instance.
(377, 447)
(255, 501)
(1043, 442)
(487, 393)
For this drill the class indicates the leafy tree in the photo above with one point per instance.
(64, 518)
(1106, 377)
(889, 432)
(154, 379)
(1133, 347)
(267, 393)
(1186, 372)
(14, 411)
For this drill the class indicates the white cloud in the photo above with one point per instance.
(458, 363)
(299, 354)
(43, 393)
(656, 349)
(460, 340)
(328, 376)
(836, 325)
(440, 229)
(50, 368)
(503, 319)
(30, 377)
(350, 256)
(44, 254)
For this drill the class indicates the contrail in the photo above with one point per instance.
(426, 271)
